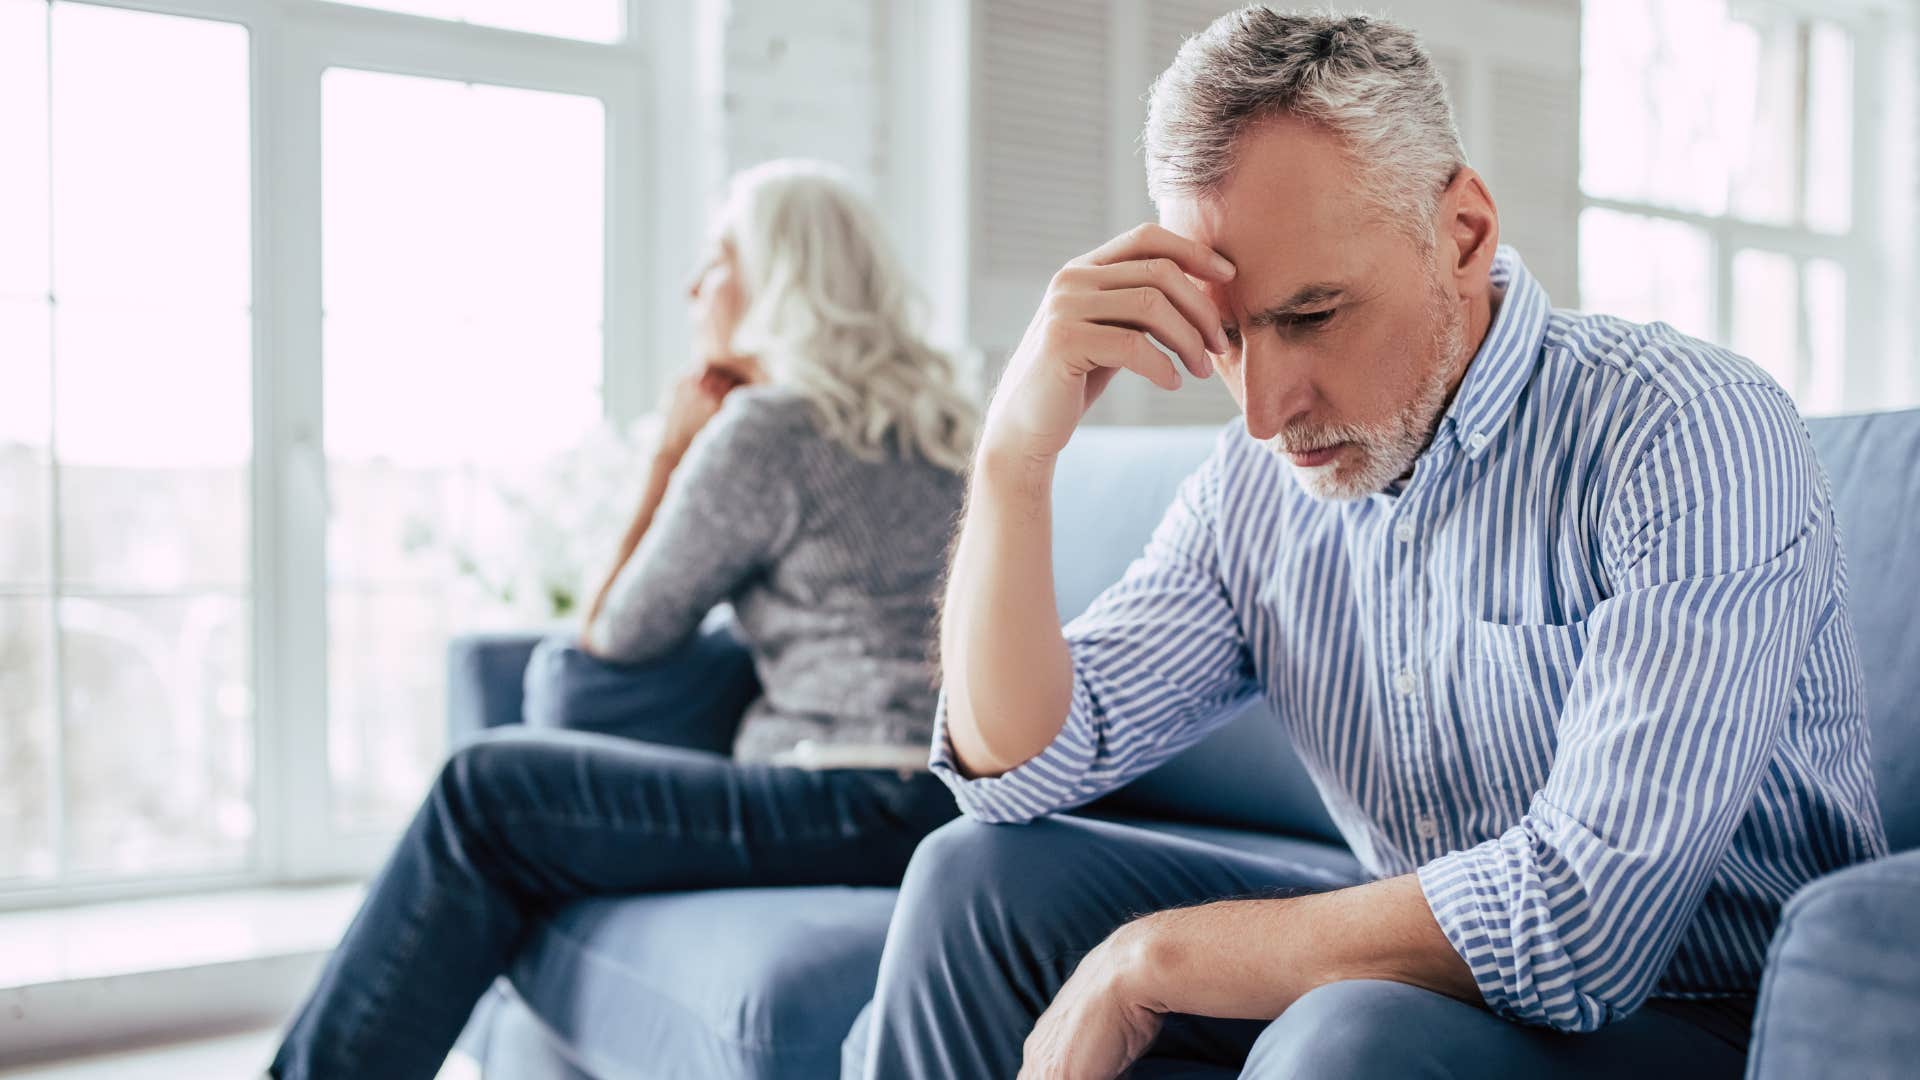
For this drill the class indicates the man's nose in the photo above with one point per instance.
(1275, 386)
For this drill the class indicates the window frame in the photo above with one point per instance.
(644, 82)
(1861, 251)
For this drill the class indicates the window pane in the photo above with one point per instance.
(24, 464)
(462, 285)
(1826, 290)
(1830, 129)
(141, 367)
(159, 743)
(386, 693)
(461, 199)
(26, 739)
(1766, 322)
(1646, 269)
(150, 158)
(589, 20)
(23, 147)
(1690, 104)
(155, 433)
(1764, 131)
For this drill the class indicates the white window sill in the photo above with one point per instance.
(80, 979)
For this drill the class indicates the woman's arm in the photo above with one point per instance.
(659, 471)
(695, 400)
(729, 509)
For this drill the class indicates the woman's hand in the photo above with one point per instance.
(693, 401)
(742, 369)
(696, 397)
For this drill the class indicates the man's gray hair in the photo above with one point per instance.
(1366, 80)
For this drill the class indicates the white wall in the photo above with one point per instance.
(738, 82)
(803, 80)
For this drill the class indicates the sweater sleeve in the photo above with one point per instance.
(730, 508)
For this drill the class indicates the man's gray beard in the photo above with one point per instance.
(1386, 450)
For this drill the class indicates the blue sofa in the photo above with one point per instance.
(768, 983)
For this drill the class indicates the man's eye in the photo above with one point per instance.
(1310, 320)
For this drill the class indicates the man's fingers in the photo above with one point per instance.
(1149, 241)
(1158, 273)
(1101, 346)
(1144, 308)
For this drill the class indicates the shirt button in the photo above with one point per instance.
(1476, 442)
(1426, 828)
(1403, 532)
(1404, 683)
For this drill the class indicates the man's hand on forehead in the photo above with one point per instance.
(1118, 306)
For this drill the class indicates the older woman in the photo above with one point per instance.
(809, 473)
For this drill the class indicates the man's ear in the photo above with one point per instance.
(1469, 220)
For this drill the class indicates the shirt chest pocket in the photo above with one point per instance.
(1512, 683)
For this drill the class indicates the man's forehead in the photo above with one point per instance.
(1275, 262)
(1289, 214)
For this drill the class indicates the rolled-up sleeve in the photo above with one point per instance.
(1723, 564)
(1159, 660)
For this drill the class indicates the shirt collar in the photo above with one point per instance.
(1506, 360)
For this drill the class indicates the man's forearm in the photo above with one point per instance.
(1008, 675)
(1250, 959)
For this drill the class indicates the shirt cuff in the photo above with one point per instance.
(1053, 779)
(1492, 904)
(1459, 893)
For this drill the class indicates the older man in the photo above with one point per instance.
(1551, 605)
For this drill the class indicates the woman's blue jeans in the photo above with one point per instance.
(522, 822)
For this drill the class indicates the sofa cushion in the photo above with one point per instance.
(1873, 464)
(512, 1043)
(1109, 490)
(1843, 977)
(693, 697)
(718, 983)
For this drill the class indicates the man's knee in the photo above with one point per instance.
(957, 866)
(986, 884)
(1355, 1027)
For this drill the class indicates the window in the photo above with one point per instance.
(1723, 174)
(125, 443)
(285, 290)
(461, 255)
(589, 20)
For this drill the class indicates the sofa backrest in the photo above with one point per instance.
(1113, 483)
(1110, 488)
(1873, 462)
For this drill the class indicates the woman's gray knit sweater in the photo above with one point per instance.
(832, 564)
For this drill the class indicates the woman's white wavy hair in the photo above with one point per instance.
(829, 314)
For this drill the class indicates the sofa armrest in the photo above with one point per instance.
(485, 673)
(1842, 985)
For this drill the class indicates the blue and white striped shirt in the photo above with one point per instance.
(1589, 673)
